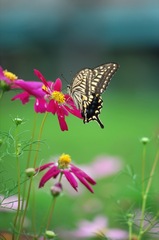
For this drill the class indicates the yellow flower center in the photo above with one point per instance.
(58, 97)
(10, 75)
(64, 161)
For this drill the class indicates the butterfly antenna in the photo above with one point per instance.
(64, 78)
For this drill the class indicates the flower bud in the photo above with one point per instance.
(50, 234)
(18, 121)
(56, 189)
(30, 172)
(4, 86)
(145, 140)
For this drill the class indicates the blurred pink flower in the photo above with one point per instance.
(9, 204)
(70, 171)
(7, 80)
(97, 227)
(103, 166)
(148, 221)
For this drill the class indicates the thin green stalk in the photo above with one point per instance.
(21, 220)
(39, 138)
(18, 181)
(146, 195)
(50, 214)
(34, 164)
(27, 201)
(1, 94)
(28, 161)
(130, 229)
(51, 210)
(143, 169)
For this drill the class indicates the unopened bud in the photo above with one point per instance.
(18, 121)
(145, 140)
(30, 172)
(50, 234)
(56, 189)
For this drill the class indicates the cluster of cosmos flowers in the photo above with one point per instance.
(49, 98)
(48, 95)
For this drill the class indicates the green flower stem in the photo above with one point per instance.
(18, 182)
(31, 179)
(51, 210)
(27, 201)
(141, 232)
(1, 94)
(130, 223)
(143, 169)
(50, 214)
(39, 138)
(28, 160)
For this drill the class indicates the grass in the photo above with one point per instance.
(127, 117)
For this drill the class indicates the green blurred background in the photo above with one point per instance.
(59, 38)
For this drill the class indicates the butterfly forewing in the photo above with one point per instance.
(102, 76)
(81, 86)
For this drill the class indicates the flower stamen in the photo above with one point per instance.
(58, 97)
(64, 161)
(10, 75)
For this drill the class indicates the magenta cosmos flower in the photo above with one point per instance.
(64, 167)
(57, 102)
(49, 98)
(7, 80)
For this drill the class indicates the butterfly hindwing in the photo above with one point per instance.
(91, 109)
(87, 87)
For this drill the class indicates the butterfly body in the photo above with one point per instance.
(87, 87)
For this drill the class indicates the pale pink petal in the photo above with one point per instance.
(9, 204)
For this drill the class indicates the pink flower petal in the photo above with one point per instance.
(51, 173)
(74, 112)
(40, 105)
(83, 181)
(71, 179)
(32, 87)
(78, 172)
(52, 106)
(62, 122)
(23, 97)
(43, 167)
(41, 77)
(58, 85)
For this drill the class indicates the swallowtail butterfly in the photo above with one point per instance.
(87, 87)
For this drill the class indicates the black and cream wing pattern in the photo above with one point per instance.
(87, 87)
